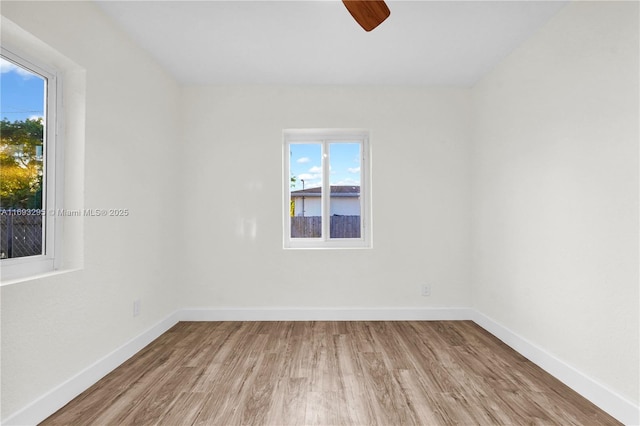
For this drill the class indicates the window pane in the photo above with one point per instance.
(306, 190)
(344, 166)
(21, 161)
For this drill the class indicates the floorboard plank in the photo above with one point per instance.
(329, 373)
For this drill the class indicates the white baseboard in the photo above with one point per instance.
(58, 397)
(622, 409)
(325, 314)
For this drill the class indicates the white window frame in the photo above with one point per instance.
(20, 267)
(325, 137)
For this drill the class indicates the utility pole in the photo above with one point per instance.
(302, 180)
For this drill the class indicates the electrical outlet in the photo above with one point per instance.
(136, 307)
(426, 290)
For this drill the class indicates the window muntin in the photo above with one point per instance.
(326, 188)
(27, 168)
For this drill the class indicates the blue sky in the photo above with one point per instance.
(21, 93)
(306, 163)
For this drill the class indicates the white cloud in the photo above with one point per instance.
(303, 160)
(309, 176)
(347, 182)
(353, 169)
(315, 169)
(312, 185)
(7, 67)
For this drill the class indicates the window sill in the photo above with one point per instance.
(44, 275)
(326, 245)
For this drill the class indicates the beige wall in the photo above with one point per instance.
(555, 192)
(52, 328)
(419, 145)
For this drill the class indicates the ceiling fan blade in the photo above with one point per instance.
(368, 13)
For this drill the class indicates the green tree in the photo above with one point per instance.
(21, 165)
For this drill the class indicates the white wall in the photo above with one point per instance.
(420, 179)
(312, 206)
(344, 206)
(54, 327)
(555, 192)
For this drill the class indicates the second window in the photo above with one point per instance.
(326, 186)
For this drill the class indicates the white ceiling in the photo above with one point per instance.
(444, 43)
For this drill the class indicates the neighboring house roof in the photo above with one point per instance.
(336, 191)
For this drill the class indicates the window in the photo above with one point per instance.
(327, 189)
(27, 166)
(50, 157)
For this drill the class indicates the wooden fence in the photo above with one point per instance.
(311, 227)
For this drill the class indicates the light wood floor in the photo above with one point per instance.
(329, 373)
